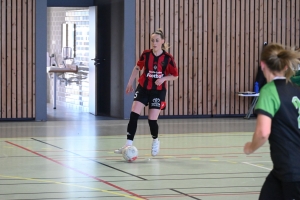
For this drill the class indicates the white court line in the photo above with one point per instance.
(256, 166)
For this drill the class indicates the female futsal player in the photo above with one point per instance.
(159, 67)
(278, 119)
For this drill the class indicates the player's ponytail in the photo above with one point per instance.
(278, 59)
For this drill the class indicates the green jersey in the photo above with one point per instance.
(280, 101)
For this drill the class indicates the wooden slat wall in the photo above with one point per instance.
(17, 63)
(216, 45)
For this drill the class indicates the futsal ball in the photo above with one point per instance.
(130, 153)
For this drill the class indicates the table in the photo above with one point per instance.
(253, 103)
(58, 70)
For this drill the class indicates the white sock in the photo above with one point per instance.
(129, 143)
(156, 139)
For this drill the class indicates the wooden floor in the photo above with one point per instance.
(71, 157)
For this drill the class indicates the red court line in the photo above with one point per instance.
(230, 156)
(205, 157)
(105, 150)
(76, 170)
(212, 155)
(254, 156)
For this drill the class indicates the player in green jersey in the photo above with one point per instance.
(278, 120)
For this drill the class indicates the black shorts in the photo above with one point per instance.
(274, 189)
(154, 98)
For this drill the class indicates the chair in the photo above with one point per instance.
(253, 103)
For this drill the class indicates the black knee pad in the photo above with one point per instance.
(132, 125)
(134, 116)
(153, 128)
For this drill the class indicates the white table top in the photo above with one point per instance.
(248, 95)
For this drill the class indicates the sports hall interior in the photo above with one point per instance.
(67, 152)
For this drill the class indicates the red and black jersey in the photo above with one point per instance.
(155, 67)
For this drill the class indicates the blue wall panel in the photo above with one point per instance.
(70, 3)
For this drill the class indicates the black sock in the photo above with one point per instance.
(132, 125)
(153, 128)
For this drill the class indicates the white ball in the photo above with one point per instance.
(130, 153)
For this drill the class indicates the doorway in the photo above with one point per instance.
(78, 28)
(115, 23)
(68, 28)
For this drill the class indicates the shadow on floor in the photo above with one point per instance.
(62, 113)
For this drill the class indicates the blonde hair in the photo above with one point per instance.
(159, 31)
(277, 59)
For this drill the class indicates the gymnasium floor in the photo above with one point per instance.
(71, 157)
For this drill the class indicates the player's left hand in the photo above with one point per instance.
(160, 81)
(247, 148)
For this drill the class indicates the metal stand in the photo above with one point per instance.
(54, 89)
(254, 101)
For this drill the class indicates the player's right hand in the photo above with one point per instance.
(129, 89)
(247, 148)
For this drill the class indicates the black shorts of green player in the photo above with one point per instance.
(154, 98)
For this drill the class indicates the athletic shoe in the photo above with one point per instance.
(155, 147)
(120, 151)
